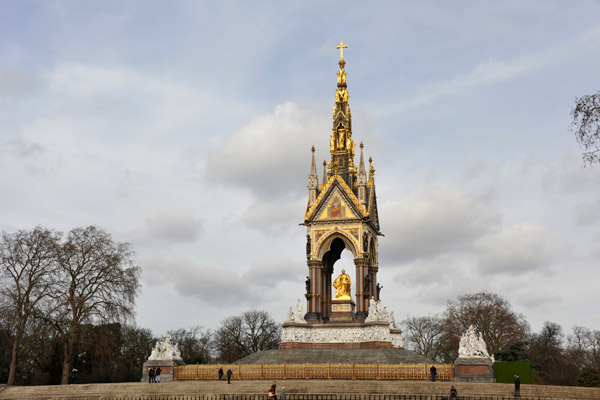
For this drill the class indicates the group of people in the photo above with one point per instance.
(273, 392)
(454, 392)
(154, 375)
(229, 374)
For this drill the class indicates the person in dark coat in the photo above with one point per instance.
(453, 393)
(517, 380)
(72, 375)
(157, 375)
(229, 373)
(221, 373)
(151, 375)
(433, 373)
(273, 391)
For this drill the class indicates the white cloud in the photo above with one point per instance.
(515, 250)
(174, 227)
(434, 220)
(270, 156)
(494, 70)
(14, 82)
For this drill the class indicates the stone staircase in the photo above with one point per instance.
(295, 390)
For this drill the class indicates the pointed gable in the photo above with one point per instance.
(336, 202)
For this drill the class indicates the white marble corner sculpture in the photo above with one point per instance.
(472, 345)
(377, 314)
(298, 316)
(165, 350)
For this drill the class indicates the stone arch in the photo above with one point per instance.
(325, 244)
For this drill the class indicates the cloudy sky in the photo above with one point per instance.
(185, 128)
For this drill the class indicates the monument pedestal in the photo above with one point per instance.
(167, 368)
(342, 331)
(165, 355)
(474, 369)
(342, 310)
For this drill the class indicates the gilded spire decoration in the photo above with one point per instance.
(341, 143)
(371, 171)
(324, 172)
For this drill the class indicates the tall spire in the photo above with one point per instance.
(362, 174)
(361, 181)
(313, 179)
(341, 143)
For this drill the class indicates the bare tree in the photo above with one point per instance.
(242, 335)
(584, 347)
(586, 126)
(99, 283)
(194, 343)
(28, 273)
(547, 354)
(493, 317)
(424, 334)
(136, 346)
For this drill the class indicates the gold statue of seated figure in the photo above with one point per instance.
(342, 286)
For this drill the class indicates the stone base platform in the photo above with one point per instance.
(335, 356)
(341, 335)
(476, 369)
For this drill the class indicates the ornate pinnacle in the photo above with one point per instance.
(313, 180)
(362, 175)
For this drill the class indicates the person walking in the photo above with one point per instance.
(282, 393)
(229, 373)
(151, 375)
(157, 375)
(273, 391)
(517, 380)
(221, 373)
(433, 373)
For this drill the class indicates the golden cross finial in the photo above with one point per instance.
(341, 47)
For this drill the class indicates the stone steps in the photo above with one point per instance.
(193, 389)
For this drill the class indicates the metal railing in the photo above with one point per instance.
(445, 372)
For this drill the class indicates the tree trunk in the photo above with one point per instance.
(15, 351)
(68, 352)
(13, 361)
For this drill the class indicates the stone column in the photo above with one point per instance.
(362, 294)
(327, 296)
(313, 299)
(373, 271)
